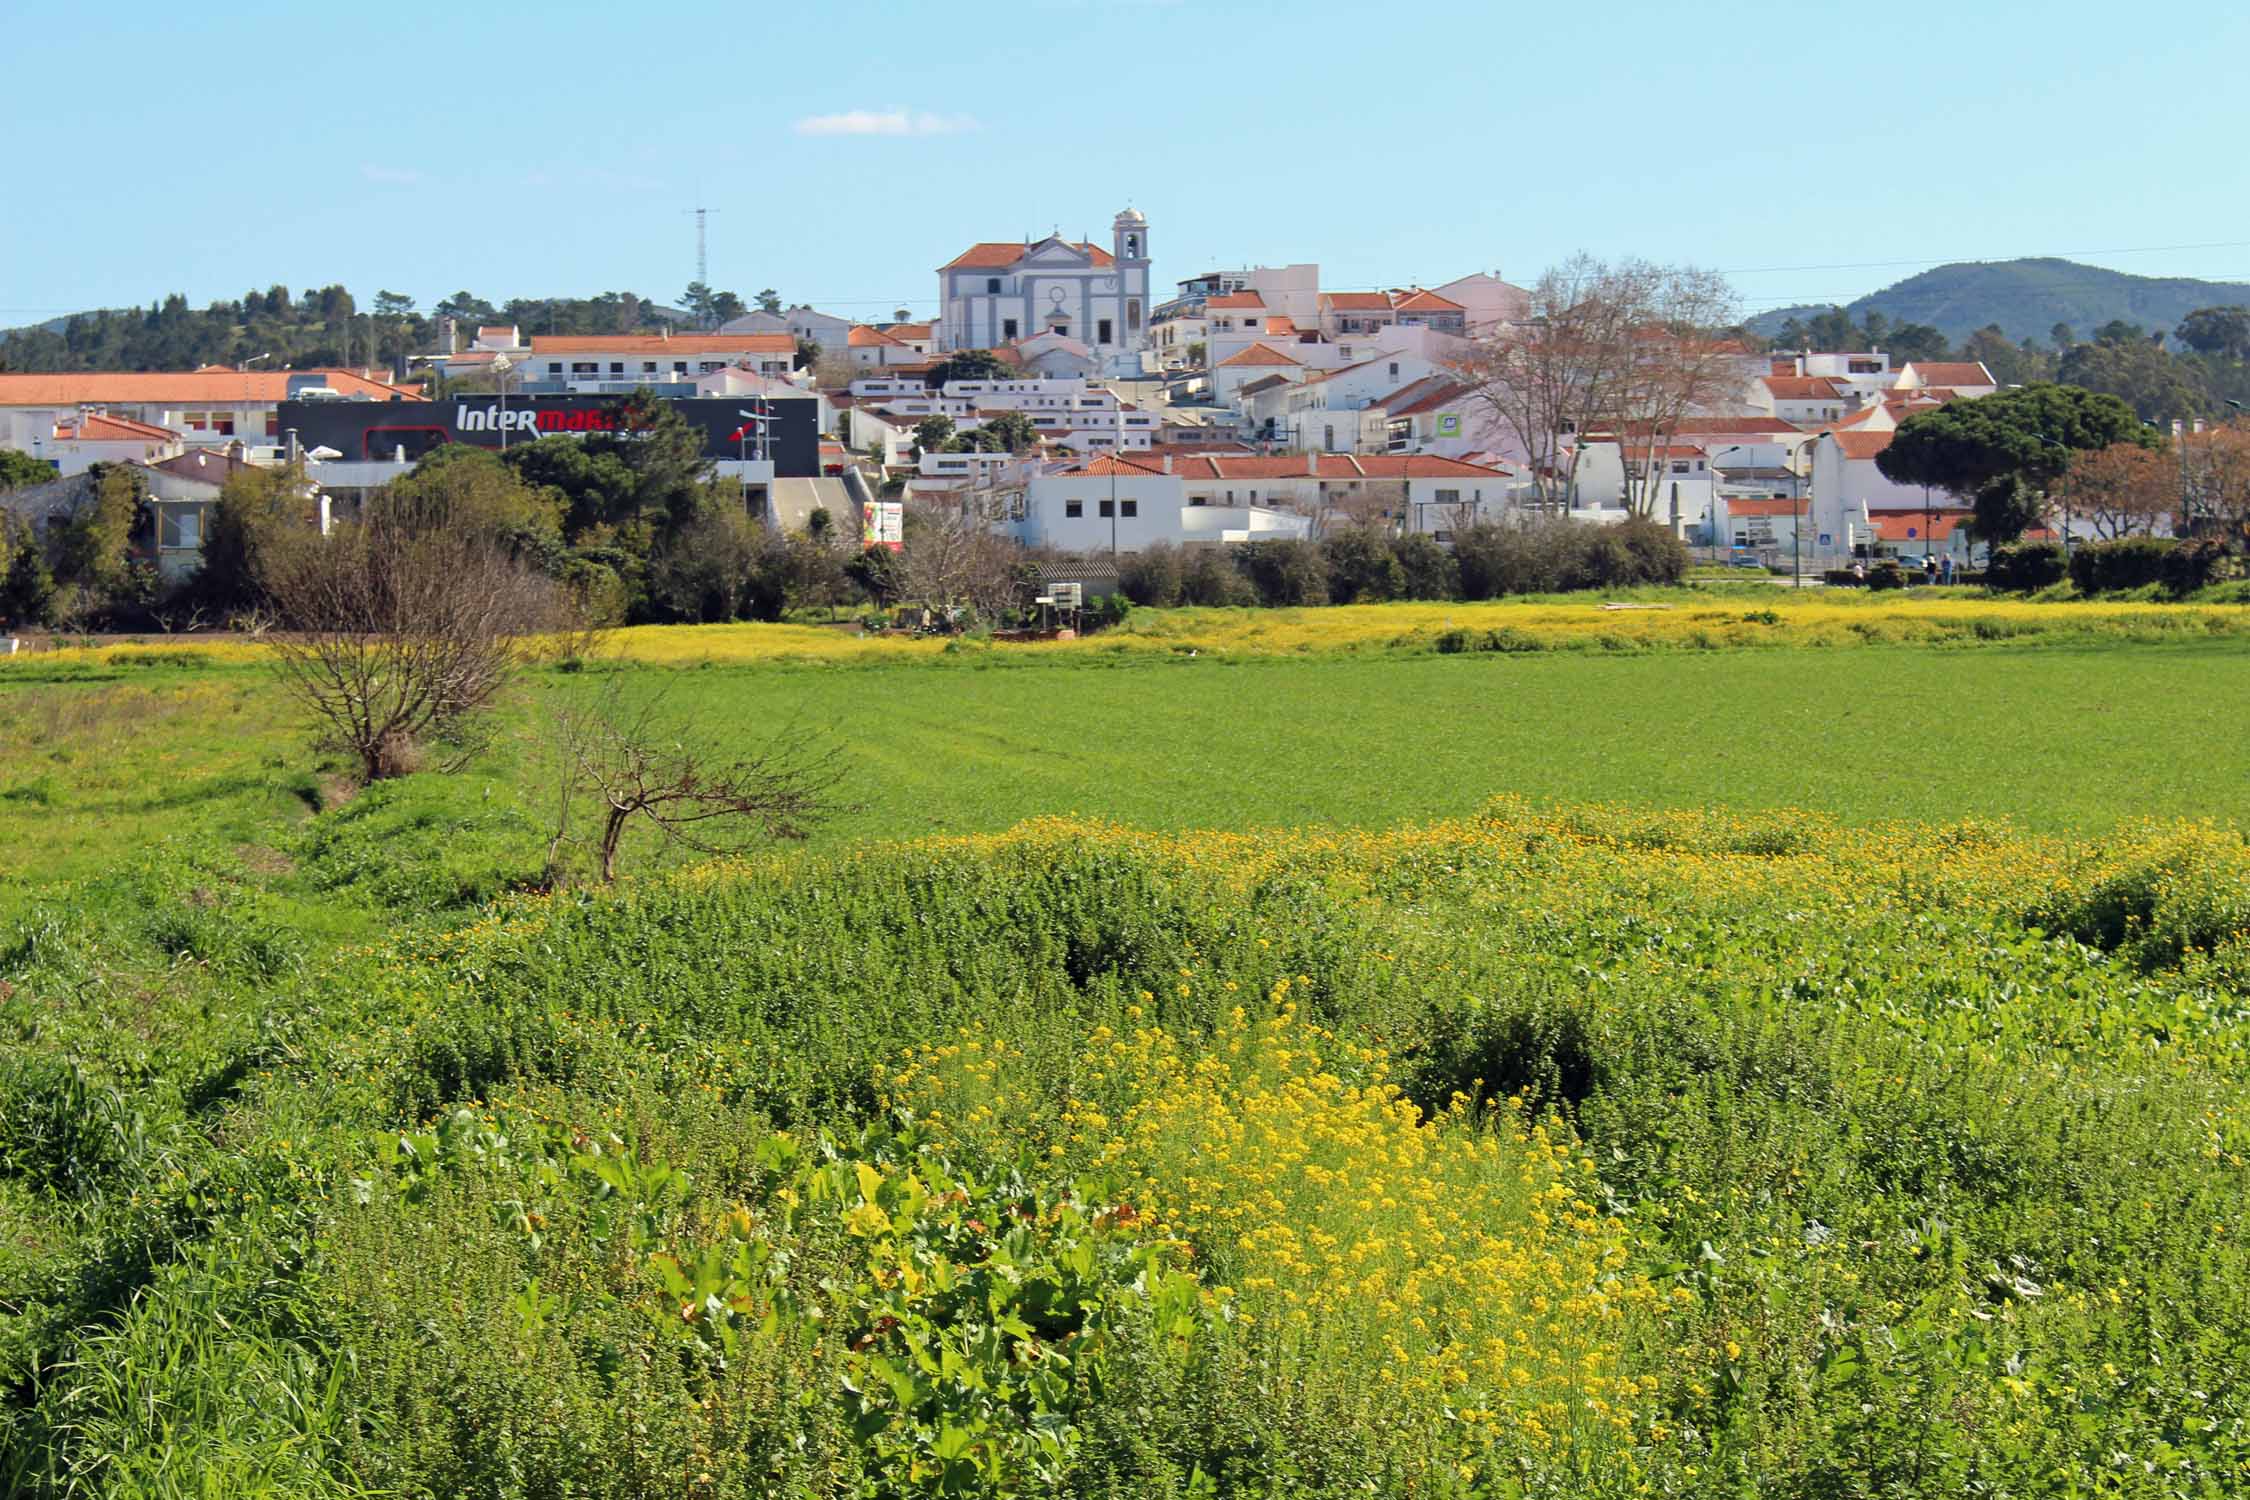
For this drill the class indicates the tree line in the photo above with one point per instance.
(328, 326)
(2192, 370)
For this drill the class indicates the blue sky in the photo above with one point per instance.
(1812, 151)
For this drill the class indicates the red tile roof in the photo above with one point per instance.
(1940, 372)
(100, 427)
(1783, 507)
(1262, 383)
(1331, 467)
(910, 332)
(999, 255)
(1357, 301)
(211, 385)
(1912, 525)
(1260, 354)
(1803, 388)
(1861, 444)
(864, 337)
(1639, 448)
(1447, 394)
(1235, 300)
(656, 343)
(1418, 300)
(1281, 326)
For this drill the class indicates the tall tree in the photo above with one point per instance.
(2125, 489)
(2217, 330)
(2157, 386)
(1627, 348)
(2029, 433)
(769, 300)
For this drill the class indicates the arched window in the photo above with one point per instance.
(1132, 246)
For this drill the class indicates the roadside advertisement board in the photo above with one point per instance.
(882, 524)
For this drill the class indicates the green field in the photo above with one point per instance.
(1768, 1071)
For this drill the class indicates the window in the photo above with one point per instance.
(1449, 497)
(679, 367)
(1063, 329)
(1394, 369)
(1328, 440)
(648, 367)
(1074, 508)
(617, 367)
(1199, 499)
(1129, 507)
(1007, 328)
(991, 284)
(1102, 332)
(181, 528)
(1108, 509)
(1133, 316)
(1679, 466)
(554, 367)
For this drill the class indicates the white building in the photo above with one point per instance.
(211, 406)
(619, 363)
(799, 322)
(95, 438)
(998, 292)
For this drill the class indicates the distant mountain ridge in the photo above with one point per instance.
(2027, 298)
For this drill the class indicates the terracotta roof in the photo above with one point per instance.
(496, 328)
(1234, 300)
(1803, 388)
(998, 255)
(1281, 326)
(1721, 426)
(908, 332)
(1909, 525)
(1447, 394)
(1418, 300)
(656, 343)
(1331, 467)
(1642, 450)
(1262, 383)
(864, 337)
(1356, 301)
(100, 427)
(1955, 373)
(1861, 444)
(182, 387)
(1260, 354)
(1783, 507)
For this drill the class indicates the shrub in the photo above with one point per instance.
(2198, 564)
(1887, 575)
(2128, 563)
(1426, 568)
(1361, 566)
(2027, 566)
(1653, 553)
(1208, 576)
(1285, 573)
(1152, 578)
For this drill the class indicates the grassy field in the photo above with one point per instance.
(1517, 1126)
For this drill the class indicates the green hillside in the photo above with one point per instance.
(2027, 298)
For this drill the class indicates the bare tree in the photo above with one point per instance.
(2124, 489)
(1629, 348)
(2215, 479)
(398, 636)
(953, 560)
(637, 767)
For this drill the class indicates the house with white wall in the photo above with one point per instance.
(620, 363)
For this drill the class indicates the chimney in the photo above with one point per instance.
(1312, 466)
(1167, 463)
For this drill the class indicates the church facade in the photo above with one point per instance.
(1000, 292)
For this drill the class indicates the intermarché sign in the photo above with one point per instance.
(379, 429)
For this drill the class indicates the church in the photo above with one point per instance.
(997, 292)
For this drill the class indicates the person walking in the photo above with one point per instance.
(1945, 570)
(1929, 568)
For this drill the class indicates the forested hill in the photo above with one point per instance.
(2027, 299)
(328, 326)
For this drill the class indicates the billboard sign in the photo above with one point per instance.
(882, 523)
(1449, 424)
(785, 430)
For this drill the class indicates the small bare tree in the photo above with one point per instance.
(2124, 489)
(952, 559)
(637, 767)
(398, 635)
